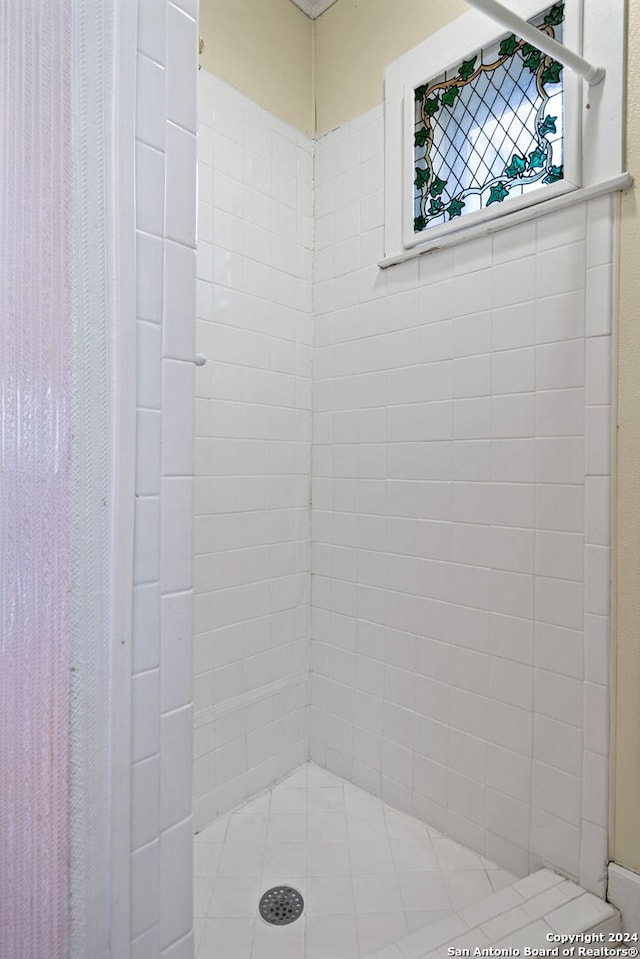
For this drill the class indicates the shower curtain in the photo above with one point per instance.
(35, 319)
(57, 80)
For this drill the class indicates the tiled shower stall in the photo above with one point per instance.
(459, 503)
(357, 552)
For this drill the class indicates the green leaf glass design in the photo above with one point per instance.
(555, 173)
(467, 68)
(490, 128)
(548, 126)
(533, 61)
(509, 46)
(499, 192)
(555, 16)
(449, 96)
(437, 186)
(517, 166)
(537, 159)
(431, 106)
(552, 73)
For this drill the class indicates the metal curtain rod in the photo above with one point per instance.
(526, 31)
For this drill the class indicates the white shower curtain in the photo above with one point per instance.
(56, 281)
(35, 322)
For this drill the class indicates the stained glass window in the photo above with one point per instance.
(490, 128)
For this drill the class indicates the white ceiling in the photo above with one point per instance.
(313, 8)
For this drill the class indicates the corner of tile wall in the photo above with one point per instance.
(253, 439)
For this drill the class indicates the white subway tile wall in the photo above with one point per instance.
(461, 520)
(162, 714)
(253, 441)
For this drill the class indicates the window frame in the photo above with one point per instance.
(461, 39)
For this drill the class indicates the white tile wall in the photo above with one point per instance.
(461, 500)
(162, 721)
(253, 434)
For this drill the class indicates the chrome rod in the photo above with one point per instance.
(526, 31)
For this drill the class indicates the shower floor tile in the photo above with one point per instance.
(369, 874)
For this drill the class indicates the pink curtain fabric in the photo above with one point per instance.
(35, 336)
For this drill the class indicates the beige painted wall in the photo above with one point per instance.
(264, 48)
(355, 39)
(626, 778)
(332, 67)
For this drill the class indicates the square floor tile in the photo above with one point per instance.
(376, 930)
(284, 827)
(199, 923)
(241, 859)
(328, 859)
(206, 858)
(452, 856)
(234, 897)
(279, 942)
(285, 858)
(327, 827)
(424, 891)
(377, 894)
(500, 878)
(287, 801)
(332, 937)
(366, 824)
(403, 827)
(329, 895)
(414, 855)
(371, 857)
(326, 799)
(358, 800)
(202, 890)
(231, 938)
(418, 920)
(467, 887)
(247, 827)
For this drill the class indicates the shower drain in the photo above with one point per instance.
(281, 905)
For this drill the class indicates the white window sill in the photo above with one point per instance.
(614, 185)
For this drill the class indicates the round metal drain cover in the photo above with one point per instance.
(281, 905)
